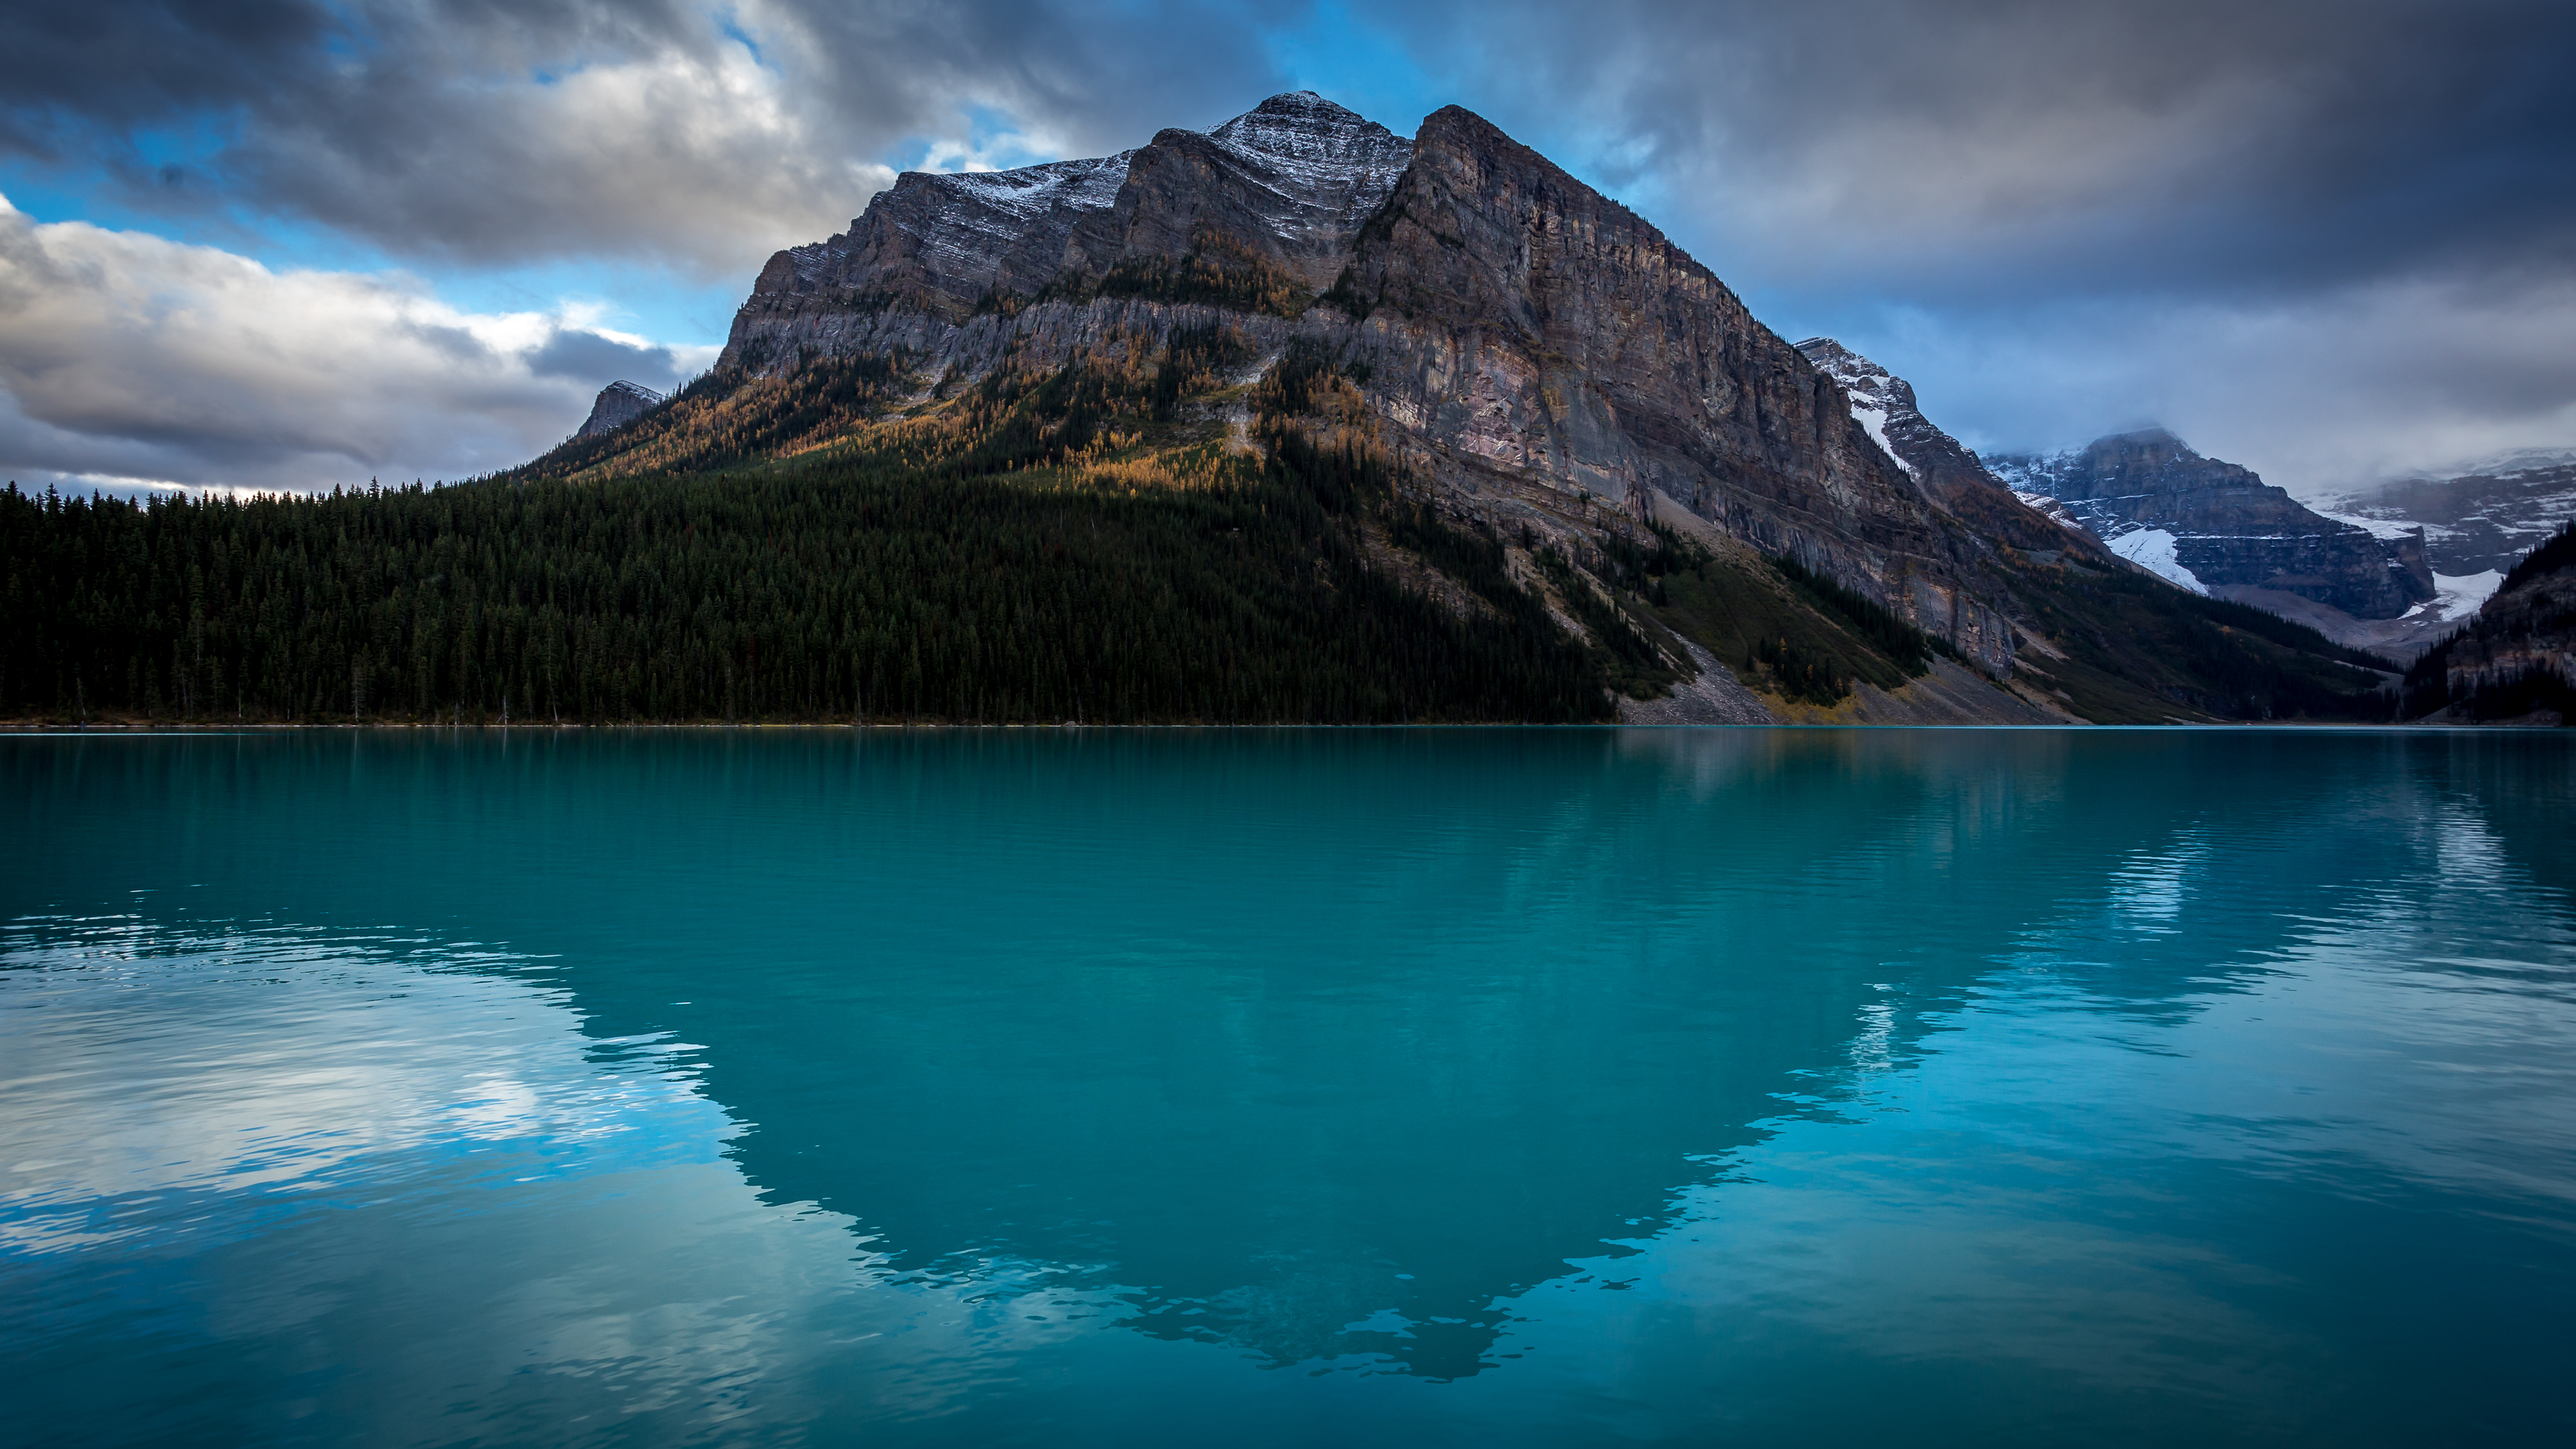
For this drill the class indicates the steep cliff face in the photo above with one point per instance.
(1884, 405)
(2211, 525)
(1535, 332)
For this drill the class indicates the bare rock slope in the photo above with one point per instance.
(1539, 346)
(618, 404)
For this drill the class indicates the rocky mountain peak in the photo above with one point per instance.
(1286, 185)
(1303, 127)
(618, 404)
(1877, 395)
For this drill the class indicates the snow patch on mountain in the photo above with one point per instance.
(2152, 549)
(1316, 145)
(2459, 595)
(1870, 387)
(2054, 511)
(1031, 191)
(2376, 527)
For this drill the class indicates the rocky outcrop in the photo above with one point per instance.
(1957, 479)
(619, 403)
(2211, 525)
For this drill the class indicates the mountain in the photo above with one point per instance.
(1539, 348)
(1294, 419)
(1884, 405)
(1536, 364)
(2515, 659)
(619, 403)
(2478, 519)
(2217, 528)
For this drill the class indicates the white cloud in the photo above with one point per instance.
(126, 356)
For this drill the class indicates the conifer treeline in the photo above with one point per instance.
(2463, 668)
(813, 594)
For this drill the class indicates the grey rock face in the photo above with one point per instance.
(1288, 183)
(1529, 327)
(2227, 527)
(1538, 350)
(2478, 520)
(619, 403)
(1883, 404)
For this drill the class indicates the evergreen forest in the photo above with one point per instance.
(1038, 546)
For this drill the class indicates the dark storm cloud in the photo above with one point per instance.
(2102, 142)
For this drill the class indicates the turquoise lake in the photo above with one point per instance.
(1288, 1088)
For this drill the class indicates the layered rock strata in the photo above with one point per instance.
(1544, 356)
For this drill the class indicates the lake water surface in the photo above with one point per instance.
(1284, 1088)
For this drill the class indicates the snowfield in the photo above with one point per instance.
(2153, 550)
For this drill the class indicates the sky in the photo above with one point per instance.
(291, 244)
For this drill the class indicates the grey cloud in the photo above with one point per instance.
(588, 358)
(126, 356)
(475, 132)
(1991, 147)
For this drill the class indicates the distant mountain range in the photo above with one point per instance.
(2478, 519)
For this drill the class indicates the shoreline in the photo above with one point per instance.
(140, 729)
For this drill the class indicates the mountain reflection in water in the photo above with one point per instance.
(1517, 1084)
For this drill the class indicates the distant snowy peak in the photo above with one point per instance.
(2517, 462)
(2477, 520)
(2211, 526)
(619, 403)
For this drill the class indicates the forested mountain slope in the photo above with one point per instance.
(2516, 658)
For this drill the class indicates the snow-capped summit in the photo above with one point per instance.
(1317, 147)
(1285, 185)
(1876, 393)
